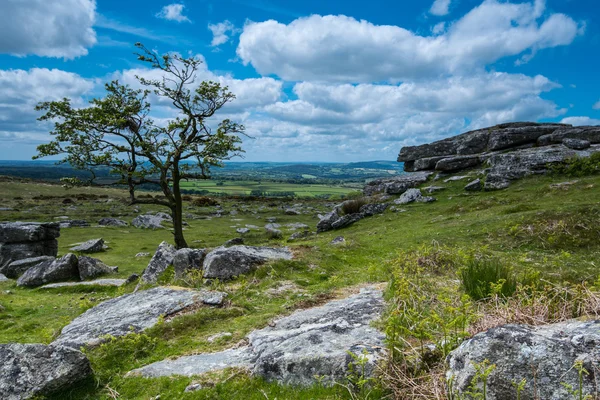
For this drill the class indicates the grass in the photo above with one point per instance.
(492, 223)
(246, 187)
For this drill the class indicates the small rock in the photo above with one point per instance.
(91, 246)
(112, 222)
(338, 240)
(411, 195)
(3, 278)
(474, 186)
(455, 178)
(217, 336)
(193, 387)
(291, 211)
(242, 231)
(271, 219)
(131, 278)
(74, 223)
(433, 189)
(97, 282)
(274, 233)
(234, 242)
(140, 255)
(299, 235)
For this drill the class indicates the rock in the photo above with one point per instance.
(18, 268)
(242, 231)
(90, 268)
(274, 233)
(369, 210)
(3, 278)
(134, 312)
(271, 219)
(338, 240)
(97, 282)
(291, 211)
(148, 221)
(519, 351)
(513, 137)
(496, 183)
(7, 209)
(74, 223)
(474, 186)
(143, 254)
(272, 226)
(325, 223)
(217, 336)
(410, 196)
(91, 246)
(589, 133)
(457, 163)
(193, 387)
(455, 178)
(131, 278)
(185, 260)
(112, 222)
(295, 349)
(576, 144)
(233, 242)
(160, 261)
(61, 269)
(396, 185)
(226, 263)
(296, 225)
(346, 220)
(433, 189)
(20, 240)
(563, 185)
(299, 235)
(34, 370)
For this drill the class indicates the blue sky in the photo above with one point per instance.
(315, 80)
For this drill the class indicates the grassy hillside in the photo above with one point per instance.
(533, 228)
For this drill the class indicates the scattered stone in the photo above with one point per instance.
(149, 221)
(18, 268)
(516, 349)
(3, 278)
(20, 240)
(291, 211)
(410, 196)
(576, 144)
(252, 227)
(295, 349)
(131, 278)
(299, 235)
(6, 209)
(296, 225)
(272, 226)
(234, 242)
(74, 223)
(226, 263)
(474, 186)
(143, 254)
(193, 387)
(134, 312)
(274, 233)
(217, 336)
(91, 246)
(112, 222)
(160, 261)
(455, 178)
(563, 185)
(90, 268)
(338, 240)
(34, 370)
(61, 269)
(97, 282)
(368, 210)
(433, 189)
(271, 219)
(242, 231)
(185, 260)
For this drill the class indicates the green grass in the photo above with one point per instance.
(246, 187)
(497, 223)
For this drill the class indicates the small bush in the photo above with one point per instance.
(204, 201)
(481, 278)
(353, 206)
(579, 166)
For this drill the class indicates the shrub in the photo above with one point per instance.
(353, 206)
(579, 166)
(480, 278)
(204, 201)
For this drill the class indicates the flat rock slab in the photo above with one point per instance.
(132, 312)
(229, 262)
(28, 370)
(98, 282)
(298, 347)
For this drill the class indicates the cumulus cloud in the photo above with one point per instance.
(173, 12)
(48, 28)
(343, 49)
(596, 106)
(221, 32)
(440, 7)
(580, 121)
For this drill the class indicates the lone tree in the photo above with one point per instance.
(117, 131)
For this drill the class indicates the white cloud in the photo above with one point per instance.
(48, 28)
(596, 106)
(221, 32)
(580, 121)
(438, 28)
(343, 49)
(440, 7)
(173, 12)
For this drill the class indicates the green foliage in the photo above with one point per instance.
(579, 166)
(482, 277)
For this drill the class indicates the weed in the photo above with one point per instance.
(579, 166)
(353, 206)
(482, 277)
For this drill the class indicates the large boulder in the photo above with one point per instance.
(90, 268)
(91, 246)
(186, 260)
(544, 356)
(588, 133)
(20, 240)
(151, 221)
(317, 343)
(325, 223)
(134, 312)
(160, 261)
(228, 262)
(33, 370)
(60, 269)
(18, 268)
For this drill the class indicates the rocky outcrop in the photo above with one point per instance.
(544, 356)
(186, 260)
(60, 269)
(132, 312)
(91, 246)
(335, 220)
(34, 370)
(396, 185)
(20, 240)
(17, 268)
(160, 261)
(228, 262)
(509, 151)
(296, 349)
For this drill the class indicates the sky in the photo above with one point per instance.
(336, 80)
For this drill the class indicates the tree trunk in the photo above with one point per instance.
(177, 212)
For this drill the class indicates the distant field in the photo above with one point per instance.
(246, 187)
